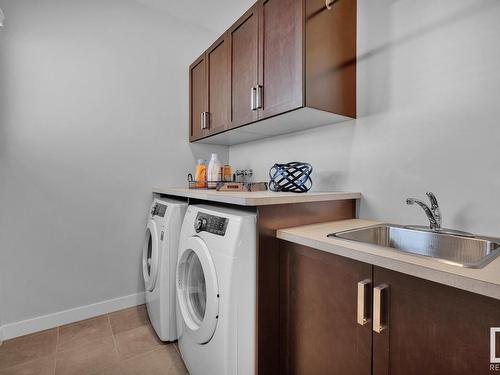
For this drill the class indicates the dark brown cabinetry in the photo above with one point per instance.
(281, 50)
(209, 91)
(340, 316)
(318, 314)
(330, 61)
(218, 77)
(244, 61)
(432, 329)
(198, 103)
(269, 219)
(291, 65)
(218, 86)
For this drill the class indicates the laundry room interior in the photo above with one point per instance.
(242, 187)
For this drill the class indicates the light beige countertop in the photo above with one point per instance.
(257, 198)
(485, 281)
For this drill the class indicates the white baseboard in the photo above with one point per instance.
(25, 327)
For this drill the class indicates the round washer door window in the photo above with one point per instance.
(150, 256)
(197, 290)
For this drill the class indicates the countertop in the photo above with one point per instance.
(485, 281)
(257, 198)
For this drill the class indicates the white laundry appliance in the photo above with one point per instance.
(159, 260)
(216, 291)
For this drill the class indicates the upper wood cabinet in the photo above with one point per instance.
(330, 59)
(284, 66)
(244, 62)
(198, 102)
(209, 82)
(280, 59)
(218, 81)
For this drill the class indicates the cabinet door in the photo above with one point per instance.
(218, 86)
(243, 39)
(319, 332)
(331, 56)
(432, 329)
(281, 72)
(198, 101)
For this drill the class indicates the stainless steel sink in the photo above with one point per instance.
(451, 248)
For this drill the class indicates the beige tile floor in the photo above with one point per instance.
(120, 343)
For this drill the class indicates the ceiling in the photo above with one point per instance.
(214, 15)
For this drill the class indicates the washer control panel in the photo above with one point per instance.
(211, 224)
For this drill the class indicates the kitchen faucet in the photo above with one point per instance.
(433, 212)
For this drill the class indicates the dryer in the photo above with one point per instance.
(216, 291)
(159, 259)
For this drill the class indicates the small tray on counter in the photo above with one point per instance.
(226, 185)
(242, 186)
(198, 185)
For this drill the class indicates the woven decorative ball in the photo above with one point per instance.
(292, 177)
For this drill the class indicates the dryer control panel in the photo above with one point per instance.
(211, 224)
(159, 210)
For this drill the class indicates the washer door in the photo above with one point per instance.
(198, 290)
(150, 256)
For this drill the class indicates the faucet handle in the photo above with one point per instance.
(432, 198)
(434, 206)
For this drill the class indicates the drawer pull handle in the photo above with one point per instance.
(380, 294)
(363, 315)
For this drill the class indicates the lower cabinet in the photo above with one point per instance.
(318, 307)
(433, 328)
(340, 316)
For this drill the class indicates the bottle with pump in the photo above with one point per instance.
(214, 171)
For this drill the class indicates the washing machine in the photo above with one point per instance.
(159, 260)
(216, 291)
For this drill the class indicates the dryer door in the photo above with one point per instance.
(197, 290)
(150, 252)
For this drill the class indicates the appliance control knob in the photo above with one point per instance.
(153, 211)
(200, 224)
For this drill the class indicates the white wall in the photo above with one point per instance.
(429, 109)
(93, 114)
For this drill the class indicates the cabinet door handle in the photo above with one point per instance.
(363, 315)
(207, 120)
(204, 120)
(260, 96)
(380, 294)
(253, 98)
